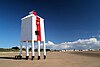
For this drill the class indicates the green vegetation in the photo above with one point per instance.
(16, 49)
(13, 49)
(8, 50)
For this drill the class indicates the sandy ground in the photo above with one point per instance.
(54, 59)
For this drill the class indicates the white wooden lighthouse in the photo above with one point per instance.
(32, 30)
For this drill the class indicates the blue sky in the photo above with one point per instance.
(65, 20)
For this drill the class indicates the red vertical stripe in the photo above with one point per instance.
(38, 28)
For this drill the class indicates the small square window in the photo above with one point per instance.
(37, 32)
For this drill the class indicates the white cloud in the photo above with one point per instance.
(91, 43)
(49, 42)
(99, 36)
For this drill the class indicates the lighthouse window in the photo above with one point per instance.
(36, 32)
